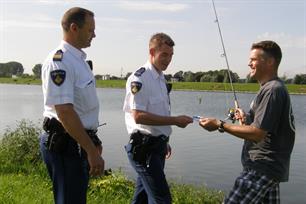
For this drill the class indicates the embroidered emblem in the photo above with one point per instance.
(135, 87)
(58, 77)
(140, 71)
(58, 56)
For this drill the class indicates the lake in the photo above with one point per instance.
(198, 157)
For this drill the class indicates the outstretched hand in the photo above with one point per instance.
(209, 124)
(183, 120)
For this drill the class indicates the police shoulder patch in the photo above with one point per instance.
(140, 71)
(58, 56)
(135, 86)
(58, 76)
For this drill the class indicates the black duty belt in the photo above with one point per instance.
(51, 125)
(138, 137)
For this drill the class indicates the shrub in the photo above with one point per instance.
(19, 148)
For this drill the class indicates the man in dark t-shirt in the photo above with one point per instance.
(267, 129)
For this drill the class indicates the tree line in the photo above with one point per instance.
(15, 68)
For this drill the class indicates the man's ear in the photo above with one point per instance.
(152, 51)
(73, 27)
(271, 61)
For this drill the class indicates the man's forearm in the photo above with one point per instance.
(147, 118)
(245, 132)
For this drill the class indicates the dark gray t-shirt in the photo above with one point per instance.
(271, 111)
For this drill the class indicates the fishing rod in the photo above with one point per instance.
(231, 112)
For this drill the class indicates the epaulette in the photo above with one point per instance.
(58, 56)
(140, 71)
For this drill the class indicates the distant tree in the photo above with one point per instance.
(226, 79)
(249, 79)
(37, 70)
(289, 81)
(26, 75)
(11, 68)
(98, 76)
(205, 78)
(299, 79)
(168, 77)
(198, 76)
(127, 75)
(114, 78)
(179, 75)
(217, 78)
(189, 76)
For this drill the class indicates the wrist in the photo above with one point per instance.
(221, 126)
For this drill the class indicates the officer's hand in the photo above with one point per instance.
(183, 120)
(96, 163)
(169, 151)
(209, 124)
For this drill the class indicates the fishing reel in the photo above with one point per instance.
(231, 115)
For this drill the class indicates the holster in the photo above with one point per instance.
(58, 138)
(143, 145)
(94, 137)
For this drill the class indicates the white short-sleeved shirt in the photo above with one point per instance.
(152, 97)
(75, 84)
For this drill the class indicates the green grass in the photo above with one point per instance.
(194, 86)
(24, 179)
(112, 189)
(28, 80)
(24, 189)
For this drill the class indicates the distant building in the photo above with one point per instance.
(14, 76)
(105, 77)
(174, 79)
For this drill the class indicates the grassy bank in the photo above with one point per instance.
(194, 86)
(24, 179)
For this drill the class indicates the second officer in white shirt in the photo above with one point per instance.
(148, 122)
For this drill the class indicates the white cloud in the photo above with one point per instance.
(128, 24)
(152, 6)
(285, 40)
(55, 2)
(32, 21)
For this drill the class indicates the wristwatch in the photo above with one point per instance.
(221, 127)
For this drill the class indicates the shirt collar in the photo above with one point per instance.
(154, 73)
(74, 51)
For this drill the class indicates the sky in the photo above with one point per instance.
(30, 29)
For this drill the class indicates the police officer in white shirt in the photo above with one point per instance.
(148, 122)
(70, 147)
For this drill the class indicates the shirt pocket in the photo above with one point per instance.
(86, 97)
(157, 106)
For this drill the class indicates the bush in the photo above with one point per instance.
(19, 149)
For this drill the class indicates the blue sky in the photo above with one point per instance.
(30, 29)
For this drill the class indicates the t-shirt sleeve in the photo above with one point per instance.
(269, 111)
(58, 83)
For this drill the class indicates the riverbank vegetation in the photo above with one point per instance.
(24, 179)
(193, 86)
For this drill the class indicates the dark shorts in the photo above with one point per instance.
(252, 187)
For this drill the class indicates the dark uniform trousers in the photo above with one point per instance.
(69, 172)
(151, 183)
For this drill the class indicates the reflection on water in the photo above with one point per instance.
(199, 157)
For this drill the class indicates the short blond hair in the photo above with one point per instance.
(159, 39)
